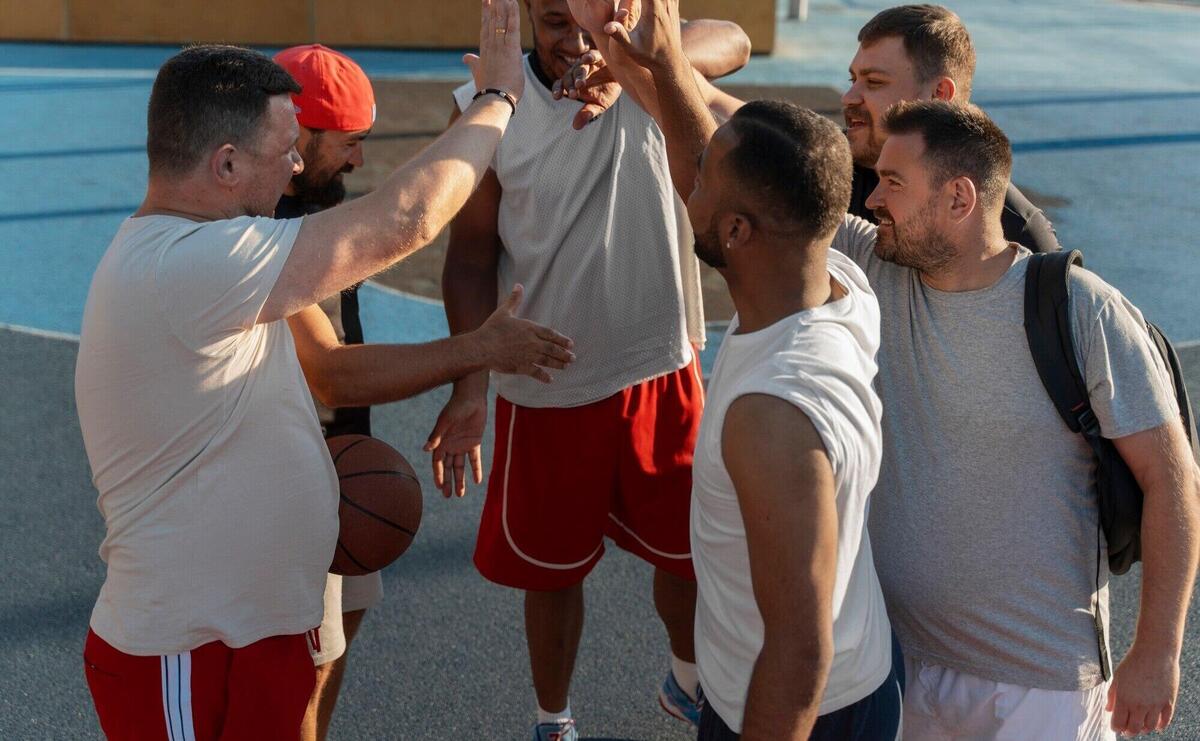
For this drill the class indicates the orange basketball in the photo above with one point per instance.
(380, 507)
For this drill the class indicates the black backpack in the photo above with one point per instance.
(1048, 329)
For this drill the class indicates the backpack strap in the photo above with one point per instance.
(1048, 331)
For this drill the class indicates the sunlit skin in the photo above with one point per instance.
(913, 215)
(704, 202)
(558, 38)
(275, 157)
(328, 157)
(881, 75)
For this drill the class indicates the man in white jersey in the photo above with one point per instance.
(219, 498)
(792, 637)
(588, 222)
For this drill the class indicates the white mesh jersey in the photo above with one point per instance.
(590, 225)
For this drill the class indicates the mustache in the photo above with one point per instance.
(857, 111)
(883, 213)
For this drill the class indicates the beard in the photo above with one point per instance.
(864, 150)
(915, 244)
(320, 190)
(708, 246)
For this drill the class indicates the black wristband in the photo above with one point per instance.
(496, 91)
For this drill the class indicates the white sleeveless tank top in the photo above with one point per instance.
(590, 225)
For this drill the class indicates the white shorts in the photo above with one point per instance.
(344, 594)
(942, 704)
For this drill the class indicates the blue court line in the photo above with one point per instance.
(1067, 100)
(79, 85)
(1105, 142)
(71, 213)
(51, 153)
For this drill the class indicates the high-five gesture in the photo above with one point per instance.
(652, 39)
(510, 344)
(498, 65)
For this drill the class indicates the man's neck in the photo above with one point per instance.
(974, 268)
(539, 71)
(771, 291)
(185, 200)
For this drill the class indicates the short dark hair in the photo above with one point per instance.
(206, 96)
(793, 163)
(935, 39)
(960, 140)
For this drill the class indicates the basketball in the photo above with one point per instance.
(380, 506)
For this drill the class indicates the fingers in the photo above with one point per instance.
(476, 464)
(1164, 718)
(554, 353)
(514, 299)
(472, 62)
(617, 33)
(585, 116)
(460, 475)
(549, 335)
(623, 9)
(539, 374)
(1120, 717)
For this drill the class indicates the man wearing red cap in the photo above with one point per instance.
(336, 110)
(218, 496)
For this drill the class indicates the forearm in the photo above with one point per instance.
(363, 375)
(470, 296)
(685, 120)
(715, 48)
(1170, 546)
(786, 690)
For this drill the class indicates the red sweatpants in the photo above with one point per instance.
(210, 693)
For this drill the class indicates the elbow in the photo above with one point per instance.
(326, 393)
(740, 47)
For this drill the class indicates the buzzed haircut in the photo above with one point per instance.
(794, 164)
(206, 96)
(935, 39)
(960, 140)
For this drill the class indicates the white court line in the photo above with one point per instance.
(403, 294)
(78, 72)
(47, 333)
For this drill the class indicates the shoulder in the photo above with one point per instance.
(1091, 296)
(855, 238)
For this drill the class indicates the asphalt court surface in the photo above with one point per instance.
(1100, 99)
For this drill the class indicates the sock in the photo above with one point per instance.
(561, 716)
(686, 675)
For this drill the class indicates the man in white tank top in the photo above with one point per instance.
(792, 635)
(588, 222)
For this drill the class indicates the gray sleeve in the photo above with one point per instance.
(855, 238)
(1128, 382)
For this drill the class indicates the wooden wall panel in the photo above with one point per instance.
(179, 21)
(386, 23)
(32, 19)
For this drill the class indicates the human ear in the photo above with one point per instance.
(222, 165)
(945, 89)
(735, 230)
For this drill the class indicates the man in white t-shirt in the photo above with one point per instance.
(219, 498)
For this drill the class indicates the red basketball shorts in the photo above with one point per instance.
(212, 692)
(564, 478)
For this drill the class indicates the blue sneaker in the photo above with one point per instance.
(677, 703)
(556, 731)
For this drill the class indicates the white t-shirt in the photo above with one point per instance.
(217, 491)
(590, 224)
(823, 361)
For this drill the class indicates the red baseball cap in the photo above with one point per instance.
(335, 94)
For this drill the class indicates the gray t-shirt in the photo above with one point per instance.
(984, 521)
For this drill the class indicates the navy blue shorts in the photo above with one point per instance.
(876, 717)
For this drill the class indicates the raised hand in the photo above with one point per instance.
(591, 82)
(648, 31)
(498, 64)
(513, 345)
(592, 15)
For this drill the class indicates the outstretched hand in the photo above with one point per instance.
(591, 82)
(513, 345)
(456, 440)
(499, 62)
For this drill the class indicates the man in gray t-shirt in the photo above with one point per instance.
(984, 521)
